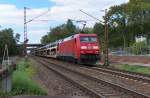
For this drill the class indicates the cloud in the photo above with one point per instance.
(69, 9)
(59, 13)
(10, 14)
(35, 35)
(12, 17)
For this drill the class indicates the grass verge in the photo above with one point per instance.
(22, 81)
(133, 68)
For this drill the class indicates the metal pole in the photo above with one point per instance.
(25, 28)
(25, 32)
(106, 63)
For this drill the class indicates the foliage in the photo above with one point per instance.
(59, 32)
(17, 37)
(87, 30)
(139, 47)
(125, 22)
(44, 39)
(70, 27)
(7, 37)
(63, 31)
(22, 81)
(129, 20)
(99, 30)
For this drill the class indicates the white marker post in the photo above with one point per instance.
(7, 81)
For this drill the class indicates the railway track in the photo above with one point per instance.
(138, 83)
(143, 78)
(130, 75)
(97, 87)
(55, 84)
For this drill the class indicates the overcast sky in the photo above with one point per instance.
(11, 14)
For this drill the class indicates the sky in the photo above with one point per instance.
(58, 11)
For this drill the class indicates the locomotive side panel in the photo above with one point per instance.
(67, 49)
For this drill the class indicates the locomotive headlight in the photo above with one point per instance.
(83, 47)
(96, 52)
(95, 47)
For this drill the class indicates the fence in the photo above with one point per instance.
(129, 51)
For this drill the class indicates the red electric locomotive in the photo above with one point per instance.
(81, 48)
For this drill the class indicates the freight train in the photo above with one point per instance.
(78, 48)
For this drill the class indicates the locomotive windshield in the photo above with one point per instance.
(88, 39)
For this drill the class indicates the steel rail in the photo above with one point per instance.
(123, 74)
(91, 92)
(119, 87)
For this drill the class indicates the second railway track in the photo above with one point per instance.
(143, 78)
(97, 87)
(130, 75)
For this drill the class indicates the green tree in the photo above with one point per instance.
(99, 30)
(59, 32)
(17, 37)
(129, 20)
(139, 48)
(6, 37)
(87, 30)
(70, 26)
(44, 39)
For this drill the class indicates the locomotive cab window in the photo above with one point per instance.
(88, 39)
(92, 39)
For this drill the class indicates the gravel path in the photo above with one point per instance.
(54, 84)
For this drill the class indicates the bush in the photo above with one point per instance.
(139, 48)
(22, 81)
(23, 84)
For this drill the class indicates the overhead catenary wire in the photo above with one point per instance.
(25, 26)
(38, 16)
(91, 16)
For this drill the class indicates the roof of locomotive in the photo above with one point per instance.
(85, 35)
(74, 36)
(65, 39)
(78, 35)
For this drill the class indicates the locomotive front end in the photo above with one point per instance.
(89, 49)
